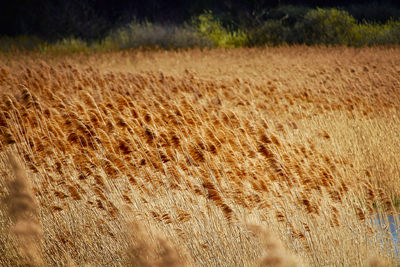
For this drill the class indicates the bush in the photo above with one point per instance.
(376, 34)
(210, 26)
(272, 32)
(325, 26)
(146, 34)
(204, 31)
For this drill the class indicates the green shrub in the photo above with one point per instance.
(147, 34)
(272, 32)
(393, 34)
(325, 26)
(210, 26)
(376, 34)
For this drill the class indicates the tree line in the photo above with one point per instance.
(93, 19)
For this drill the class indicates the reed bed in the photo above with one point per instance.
(223, 157)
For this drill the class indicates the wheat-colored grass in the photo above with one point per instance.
(163, 158)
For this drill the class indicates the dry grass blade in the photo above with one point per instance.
(145, 252)
(23, 211)
(275, 254)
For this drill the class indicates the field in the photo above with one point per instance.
(222, 157)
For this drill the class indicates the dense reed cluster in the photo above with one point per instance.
(165, 158)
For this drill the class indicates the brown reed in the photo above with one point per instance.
(193, 151)
(23, 211)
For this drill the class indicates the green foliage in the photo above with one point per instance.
(147, 34)
(204, 31)
(210, 26)
(317, 26)
(376, 34)
(326, 26)
(272, 32)
(285, 25)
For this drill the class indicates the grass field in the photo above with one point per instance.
(222, 157)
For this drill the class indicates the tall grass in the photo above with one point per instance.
(22, 210)
(166, 157)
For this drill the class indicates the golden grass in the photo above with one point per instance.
(163, 158)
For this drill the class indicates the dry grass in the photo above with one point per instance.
(163, 158)
(22, 210)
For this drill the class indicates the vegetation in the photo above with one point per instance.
(91, 20)
(286, 25)
(137, 35)
(325, 27)
(211, 27)
(212, 157)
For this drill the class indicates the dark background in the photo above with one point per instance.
(90, 19)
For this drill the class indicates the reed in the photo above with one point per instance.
(23, 211)
(290, 138)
